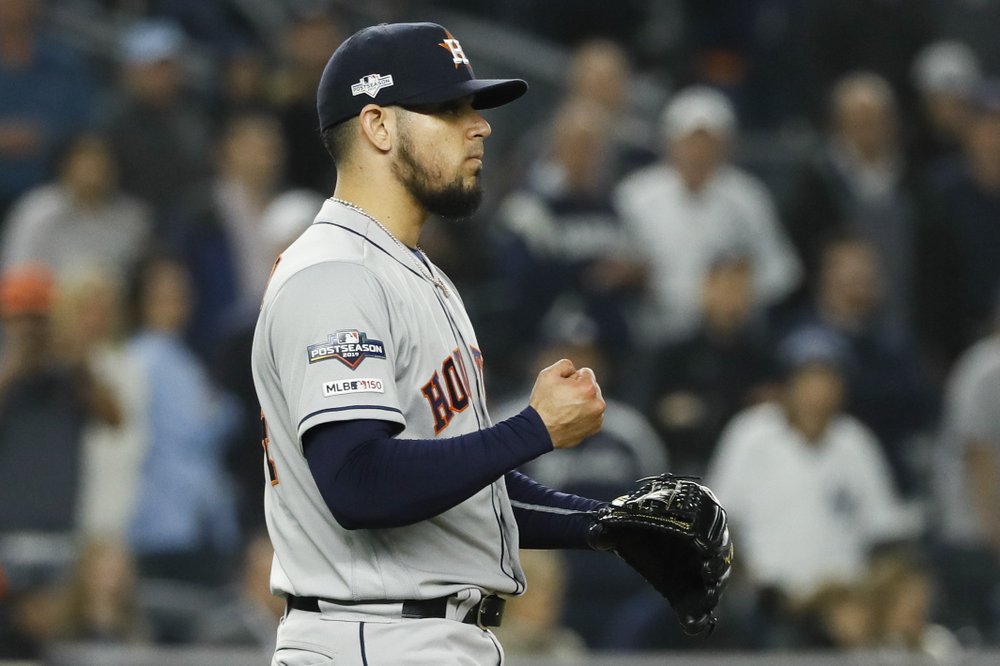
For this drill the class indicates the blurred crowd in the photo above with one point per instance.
(772, 229)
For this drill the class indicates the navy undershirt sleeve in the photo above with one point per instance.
(371, 479)
(548, 518)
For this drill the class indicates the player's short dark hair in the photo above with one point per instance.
(337, 139)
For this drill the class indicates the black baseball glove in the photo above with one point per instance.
(673, 531)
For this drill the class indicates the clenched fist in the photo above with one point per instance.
(569, 402)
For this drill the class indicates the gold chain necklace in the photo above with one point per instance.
(422, 268)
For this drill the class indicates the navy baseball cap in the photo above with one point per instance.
(814, 344)
(408, 64)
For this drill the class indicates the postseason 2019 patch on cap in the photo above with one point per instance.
(405, 64)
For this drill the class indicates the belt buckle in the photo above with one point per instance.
(489, 611)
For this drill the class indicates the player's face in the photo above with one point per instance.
(439, 156)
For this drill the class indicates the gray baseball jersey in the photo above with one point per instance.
(353, 326)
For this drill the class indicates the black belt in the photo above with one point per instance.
(487, 613)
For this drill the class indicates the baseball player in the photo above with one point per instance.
(393, 511)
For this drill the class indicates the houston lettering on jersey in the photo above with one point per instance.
(349, 346)
(447, 392)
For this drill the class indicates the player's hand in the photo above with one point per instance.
(569, 402)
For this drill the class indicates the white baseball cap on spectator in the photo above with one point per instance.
(698, 108)
(288, 215)
(946, 67)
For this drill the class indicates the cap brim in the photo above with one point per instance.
(497, 92)
(487, 93)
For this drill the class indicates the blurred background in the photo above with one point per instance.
(772, 227)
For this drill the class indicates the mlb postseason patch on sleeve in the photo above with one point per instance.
(349, 346)
(345, 386)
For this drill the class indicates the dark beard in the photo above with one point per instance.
(453, 201)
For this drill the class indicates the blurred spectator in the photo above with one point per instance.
(887, 614)
(99, 603)
(44, 406)
(80, 220)
(160, 135)
(306, 48)
(28, 617)
(625, 449)
(600, 73)
(220, 230)
(244, 83)
(559, 174)
(600, 77)
(888, 388)
(700, 382)
(89, 331)
(946, 74)
(961, 271)
(282, 221)
(859, 180)
(602, 467)
(46, 95)
(184, 526)
(561, 236)
(902, 593)
(882, 36)
(287, 216)
(250, 618)
(807, 488)
(532, 622)
(839, 616)
(685, 212)
(968, 487)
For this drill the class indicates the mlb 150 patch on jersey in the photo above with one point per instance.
(349, 346)
(344, 386)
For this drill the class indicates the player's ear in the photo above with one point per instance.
(378, 124)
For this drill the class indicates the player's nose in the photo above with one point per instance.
(480, 128)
